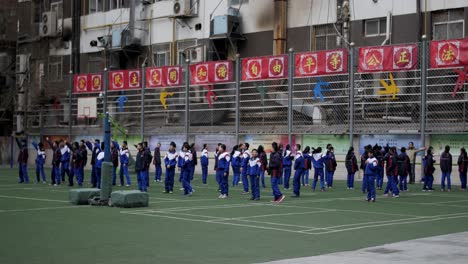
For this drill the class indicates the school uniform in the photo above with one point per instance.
(404, 168)
(222, 173)
(23, 157)
(124, 160)
(381, 168)
(280, 178)
(65, 162)
(40, 161)
(140, 167)
(299, 165)
(263, 159)
(204, 163)
(77, 163)
(244, 164)
(253, 170)
(185, 171)
(148, 158)
(215, 167)
(429, 169)
(56, 157)
(330, 168)
(446, 169)
(236, 165)
(157, 164)
(391, 168)
(115, 164)
(318, 160)
(351, 168)
(275, 172)
(193, 164)
(288, 157)
(364, 157)
(371, 171)
(170, 160)
(84, 156)
(99, 161)
(307, 167)
(95, 150)
(180, 163)
(462, 169)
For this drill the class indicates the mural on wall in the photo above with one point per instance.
(318, 89)
(462, 74)
(210, 95)
(163, 98)
(340, 143)
(390, 89)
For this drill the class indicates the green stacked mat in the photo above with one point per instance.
(81, 196)
(129, 199)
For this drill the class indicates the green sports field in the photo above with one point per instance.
(39, 225)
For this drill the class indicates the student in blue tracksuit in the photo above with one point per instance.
(157, 163)
(124, 161)
(186, 169)
(222, 171)
(462, 168)
(99, 161)
(404, 167)
(170, 161)
(429, 169)
(281, 152)
(288, 157)
(330, 167)
(392, 173)
(84, 155)
(40, 161)
(215, 167)
(140, 167)
(307, 166)
(378, 154)
(371, 171)
(446, 169)
(253, 170)
(351, 168)
(194, 162)
(95, 150)
(298, 171)
(244, 163)
(318, 160)
(65, 160)
(364, 157)
(180, 163)
(274, 169)
(263, 159)
(204, 163)
(77, 161)
(235, 164)
(23, 161)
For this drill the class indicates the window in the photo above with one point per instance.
(96, 6)
(55, 69)
(448, 24)
(375, 27)
(182, 46)
(162, 54)
(325, 37)
(116, 4)
(95, 62)
(57, 7)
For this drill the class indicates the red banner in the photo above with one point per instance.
(449, 53)
(87, 83)
(388, 58)
(263, 68)
(320, 63)
(211, 72)
(163, 76)
(124, 80)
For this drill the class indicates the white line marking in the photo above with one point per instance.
(284, 214)
(41, 209)
(33, 199)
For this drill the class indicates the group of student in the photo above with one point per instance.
(247, 166)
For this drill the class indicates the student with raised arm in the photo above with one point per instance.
(40, 161)
(411, 151)
(95, 150)
(23, 156)
(56, 157)
(318, 160)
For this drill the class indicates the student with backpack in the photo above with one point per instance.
(404, 167)
(429, 169)
(330, 167)
(351, 168)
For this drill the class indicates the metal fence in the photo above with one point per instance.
(350, 103)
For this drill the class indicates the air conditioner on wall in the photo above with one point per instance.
(197, 54)
(48, 24)
(181, 8)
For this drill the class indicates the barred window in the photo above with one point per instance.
(448, 24)
(325, 37)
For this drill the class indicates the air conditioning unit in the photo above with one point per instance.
(181, 8)
(197, 54)
(22, 63)
(48, 24)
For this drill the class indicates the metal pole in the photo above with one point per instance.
(142, 114)
(107, 136)
(41, 113)
(290, 93)
(187, 99)
(351, 93)
(424, 55)
(70, 93)
(105, 79)
(238, 73)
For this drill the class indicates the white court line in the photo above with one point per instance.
(219, 223)
(41, 209)
(429, 204)
(180, 209)
(214, 218)
(33, 199)
(188, 200)
(457, 201)
(391, 224)
(284, 214)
